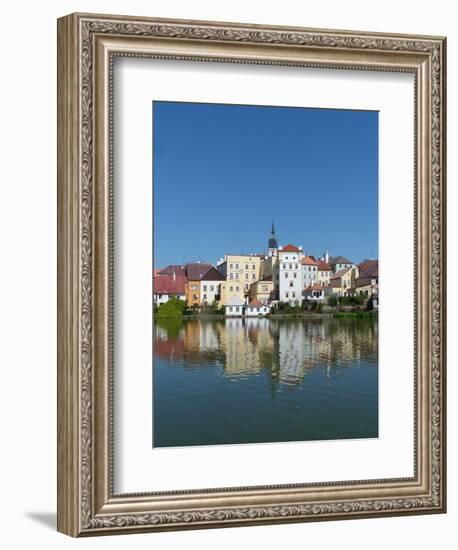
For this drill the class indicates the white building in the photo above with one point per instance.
(235, 307)
(309, 271)
(290, 274)
(210, 287)
(256, 308)
(317, 293)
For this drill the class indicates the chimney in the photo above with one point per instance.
(174, 276)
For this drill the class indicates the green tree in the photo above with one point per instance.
(172, 309)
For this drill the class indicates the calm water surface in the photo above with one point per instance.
(261, 380)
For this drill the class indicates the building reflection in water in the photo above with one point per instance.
(288, 348)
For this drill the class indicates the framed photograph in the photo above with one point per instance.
(251, 284)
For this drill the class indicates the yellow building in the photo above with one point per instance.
(343, 281)
(241, 268)
(229, 289)
(262, 290)
(324, 273)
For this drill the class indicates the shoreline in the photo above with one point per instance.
(334, 315)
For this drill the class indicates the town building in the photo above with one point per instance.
(234, 307)
(241, 268)
(338, 263)
(309, 271)
(256, 308)
(343, 281)
(262, 290)
(194, 273)
(367, 282)
(210, 287)
(231, 289)
(166, 286)
(317, 293)
(290, 274)
(324, 273)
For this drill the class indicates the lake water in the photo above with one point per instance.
(262, 380)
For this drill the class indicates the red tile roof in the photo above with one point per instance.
(289, 248)
(255, 303)
(323, 266)
(309, 260)
(195, 272)
(167, 284)
(170, 269)
(368, 268)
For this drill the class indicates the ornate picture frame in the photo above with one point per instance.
(87, 46)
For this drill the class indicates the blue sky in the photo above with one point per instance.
(222, 172)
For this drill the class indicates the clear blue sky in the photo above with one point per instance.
(222, 172)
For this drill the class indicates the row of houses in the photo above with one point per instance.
(250, 284)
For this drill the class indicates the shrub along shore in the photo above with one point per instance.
(348, 307)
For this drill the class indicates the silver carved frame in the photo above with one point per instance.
(87, 45)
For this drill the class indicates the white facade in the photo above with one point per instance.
(254, 311)
(234, 307)
(290, 276)
(210, 291)
(316, 293)
(309, 274)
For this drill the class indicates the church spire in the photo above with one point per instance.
(273, 244)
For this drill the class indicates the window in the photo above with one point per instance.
(295, 275)
(286, 294)
(291, 284)
(265, 288)
(294, 294)
(231, 266)
(237, 309)
(246, 276)
(205, 296)
(286, 275)
(253, 267)
(230, 308)
(290, 266)
(246, 286)
(231, 275)
(253, 276)
(205, 288)
(237, 288)
(231, 289)
(246, 266)
(237, 275)
(236, 266)
(284, 266)
(212, 288)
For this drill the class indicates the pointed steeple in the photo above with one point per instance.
(273, 244)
